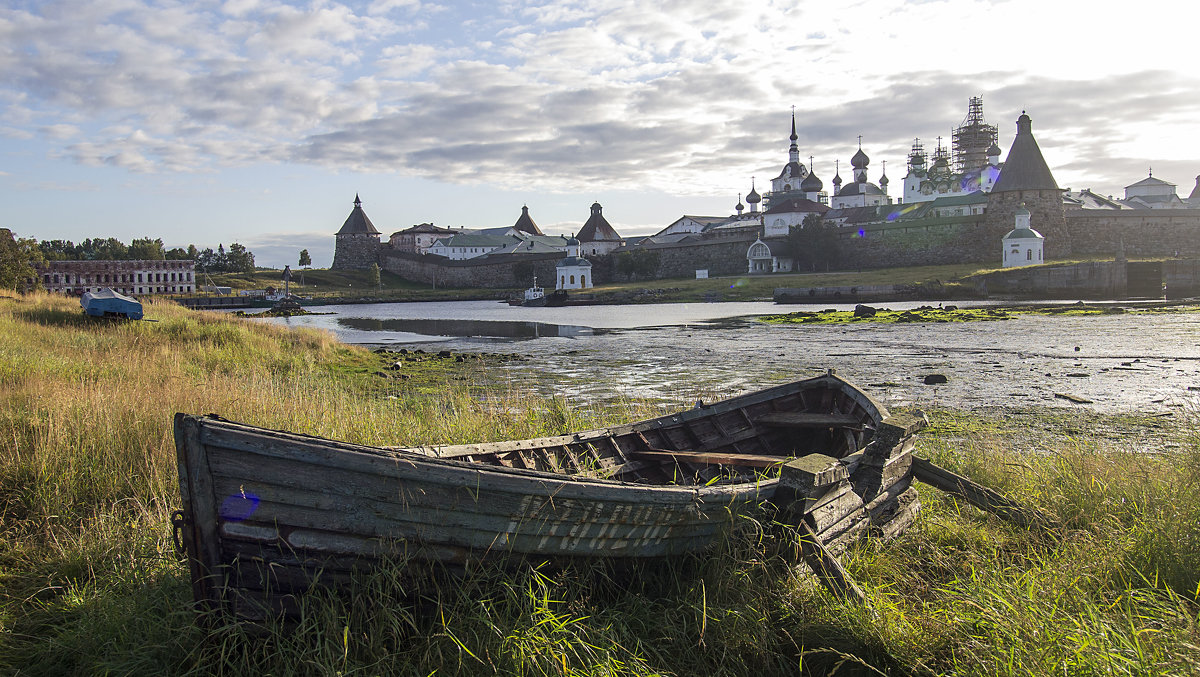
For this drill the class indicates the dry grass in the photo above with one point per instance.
(89, 582)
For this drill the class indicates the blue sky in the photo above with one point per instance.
(257, 121)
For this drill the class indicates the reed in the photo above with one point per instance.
(90, 583)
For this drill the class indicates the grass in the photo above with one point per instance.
(955, 314)
(90, 583)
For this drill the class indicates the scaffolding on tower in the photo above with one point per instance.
(972, 138)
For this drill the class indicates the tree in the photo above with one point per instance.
(59, 250)
(108, 249)
(641, 263)
(239, 259)
(19, 259)
(178, 254)
(305, 259)
(373, 275)
(813, 243)
(145, 249)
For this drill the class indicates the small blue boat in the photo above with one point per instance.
(108, 303)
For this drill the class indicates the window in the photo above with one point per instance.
(1028, 254)
(572, 279)
(582, 281)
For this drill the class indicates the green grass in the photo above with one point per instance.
(90, 583)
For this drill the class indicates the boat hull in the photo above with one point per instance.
(267, 513)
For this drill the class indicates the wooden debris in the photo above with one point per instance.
(808, 420)
(1073, 398)
(978, 495)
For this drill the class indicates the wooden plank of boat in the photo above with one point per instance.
(802, 419)
(829, 569)
(978, 495)
(747, 460)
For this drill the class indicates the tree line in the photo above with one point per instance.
(237, 259)
(20, 257)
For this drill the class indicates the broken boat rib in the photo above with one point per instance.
(267, 513)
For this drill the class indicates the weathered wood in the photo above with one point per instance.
(802, 419)
(200, 512)
(854, 519)
(283, 508)
(899, 426)
(747, 460)
(834, 511)
(826, 566)
(978, 495)
(807, 473)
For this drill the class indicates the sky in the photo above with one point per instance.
(258, 121)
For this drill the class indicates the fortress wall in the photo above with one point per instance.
(482, 273)
(1143, 232)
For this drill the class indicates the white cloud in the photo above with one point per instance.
(684, 96)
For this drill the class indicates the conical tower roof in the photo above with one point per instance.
(597, 228)
(1195, 191)
(358, 222)
(525, 223)
(1025, 168)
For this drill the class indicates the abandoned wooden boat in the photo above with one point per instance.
(267, 513)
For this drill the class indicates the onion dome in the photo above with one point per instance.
(572, 242)
(860, 160)
(740, 206)
(811, 184)
(837, 177)
(993, 149)
(753, 197)
(884, 181)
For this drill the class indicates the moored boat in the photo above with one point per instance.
(267, 513)
(111, 304)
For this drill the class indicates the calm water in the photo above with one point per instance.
(683, 352)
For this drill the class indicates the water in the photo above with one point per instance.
(682, 352)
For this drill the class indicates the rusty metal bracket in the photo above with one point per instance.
(179, 520)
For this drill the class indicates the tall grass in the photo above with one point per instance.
(89, 582)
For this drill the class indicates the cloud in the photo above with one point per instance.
(686, 97)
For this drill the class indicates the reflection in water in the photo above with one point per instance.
(487, 328)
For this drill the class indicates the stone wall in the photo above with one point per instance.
(720, 256)
(354, 251)
(1142, 232)
(1092, 279)
(482, 273)
(1182, 278)
(1046, 216)
(925, 243)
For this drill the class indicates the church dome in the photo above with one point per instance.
(811, 184)
(753, 197)
(860, 160)
(993, 149)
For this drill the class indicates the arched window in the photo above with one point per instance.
(582, 280)
(562, 280)
(1028, 254)
(572, 279)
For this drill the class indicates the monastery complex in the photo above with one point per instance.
(956, 204)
